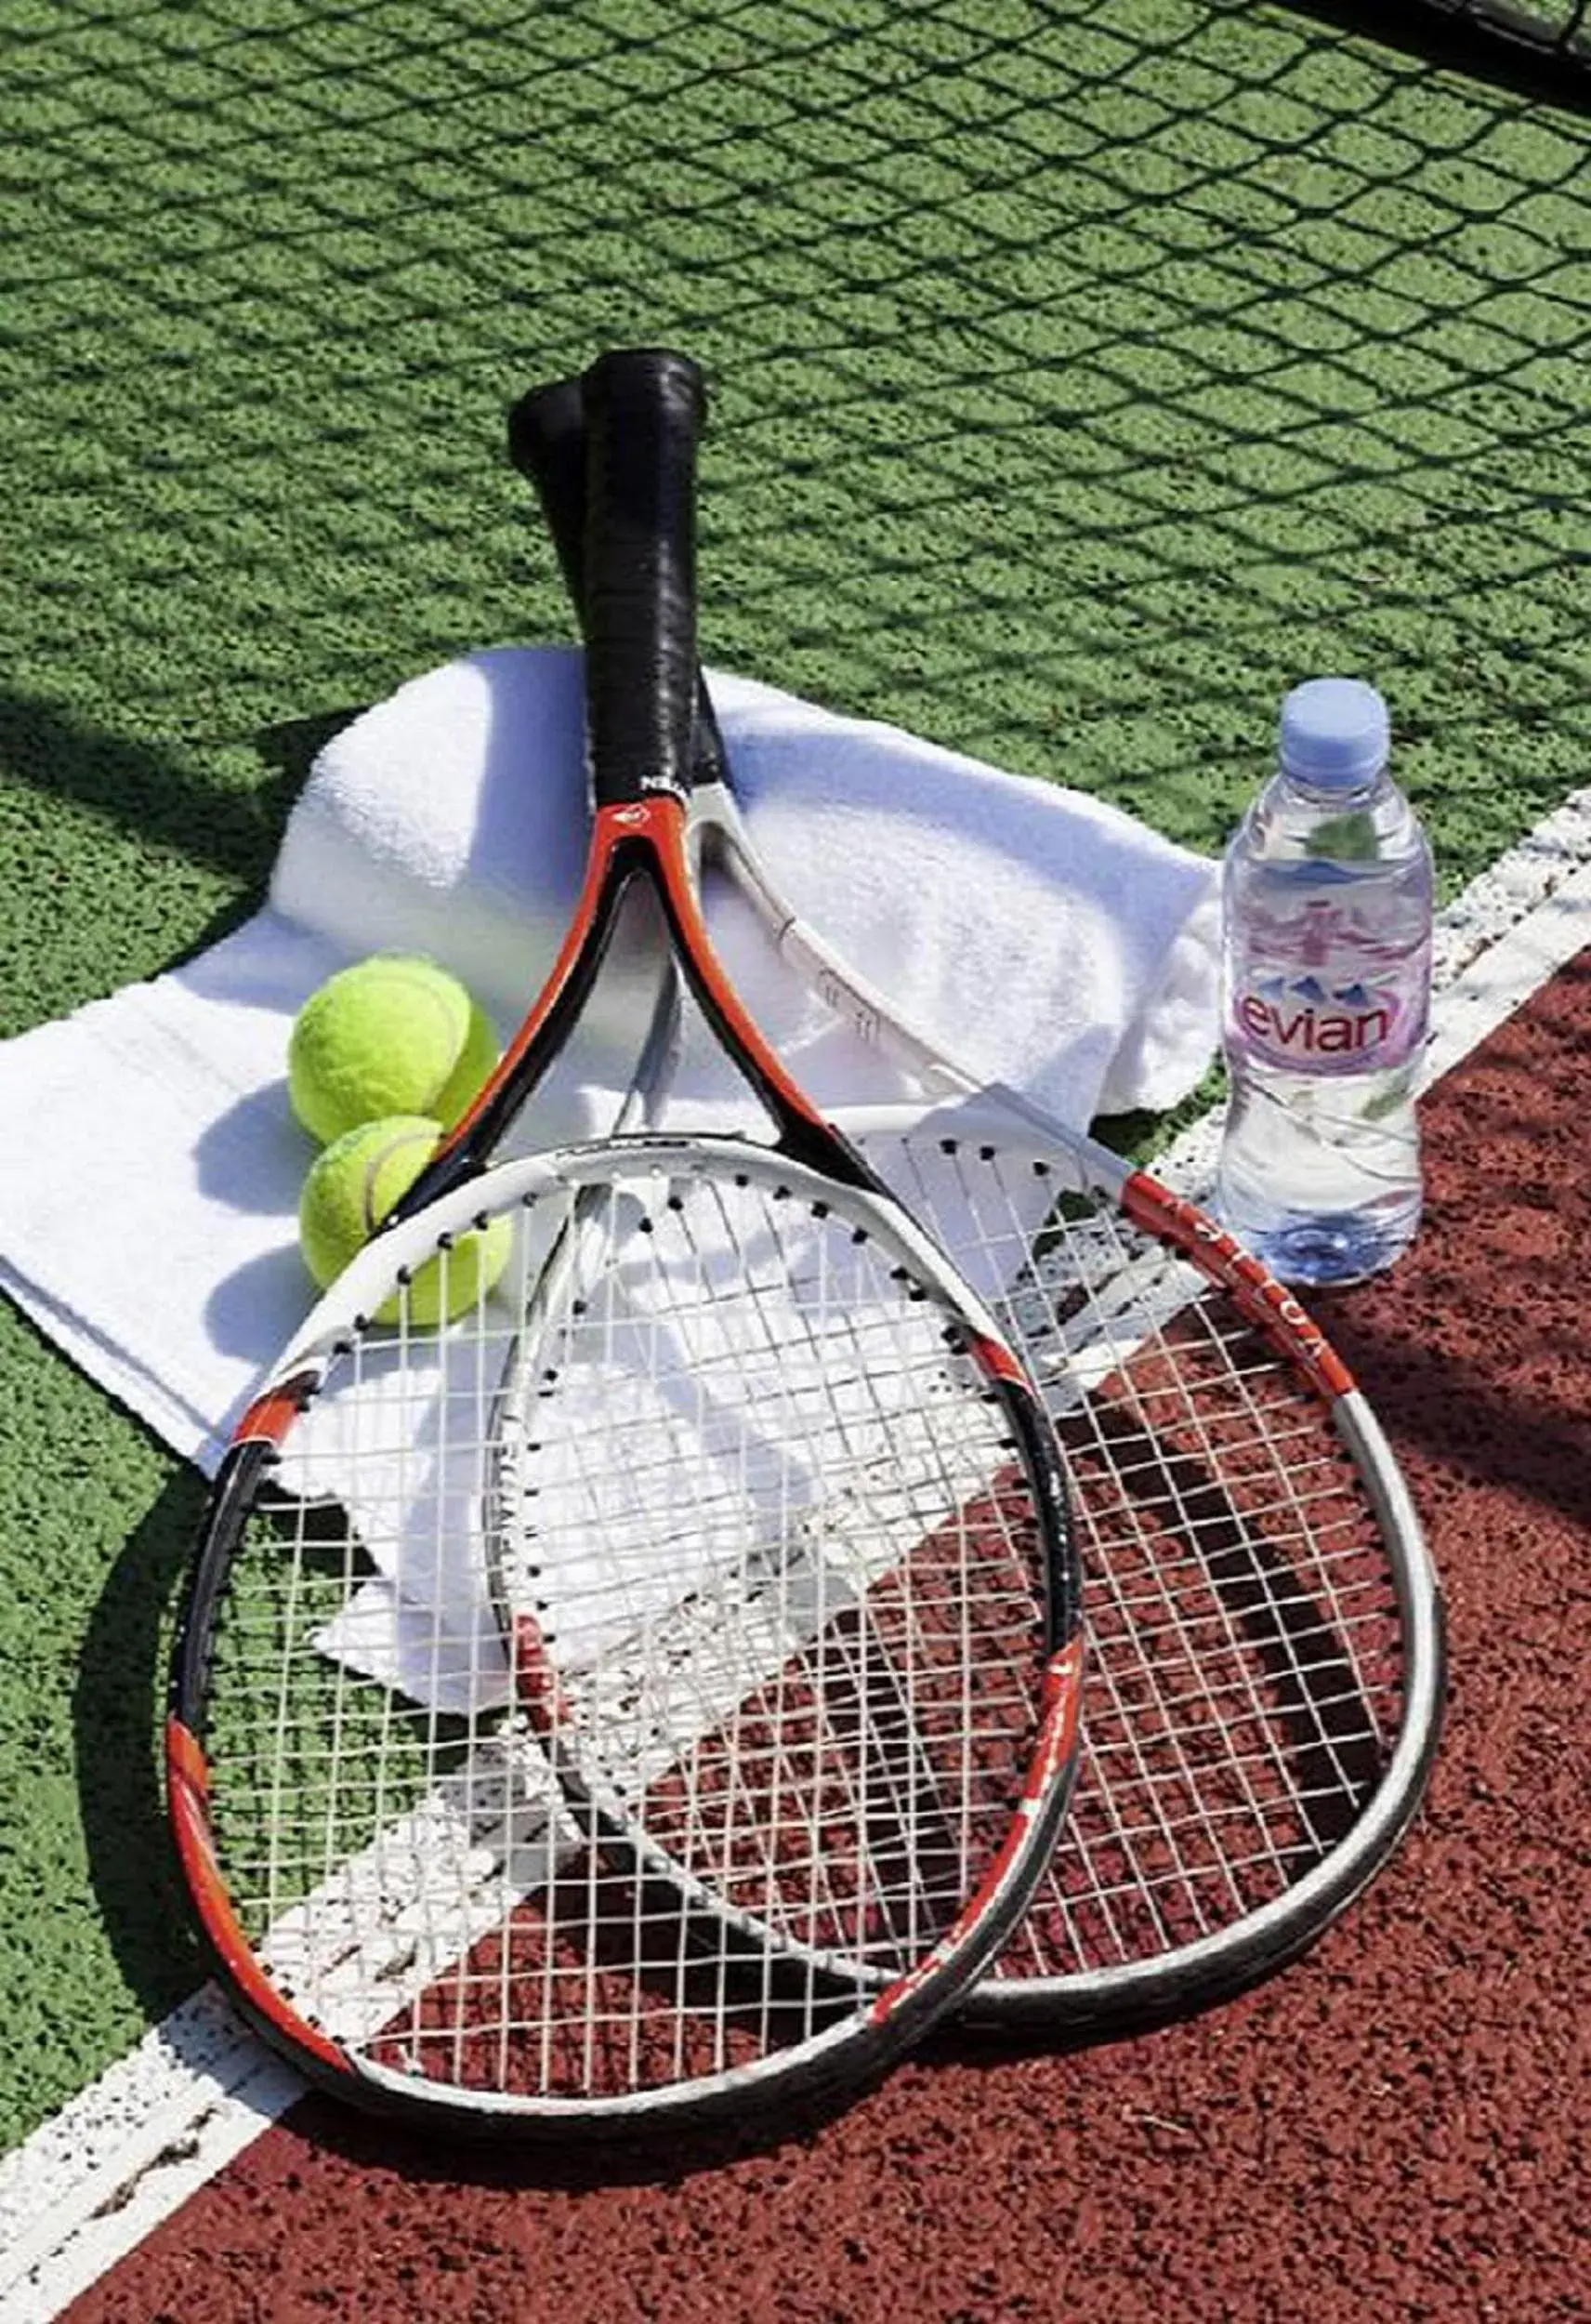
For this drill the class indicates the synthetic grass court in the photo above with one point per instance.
(1085, 374)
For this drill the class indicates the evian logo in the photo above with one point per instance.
(1314, 1026)
(1327, 990)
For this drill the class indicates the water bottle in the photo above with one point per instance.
(1326, 896)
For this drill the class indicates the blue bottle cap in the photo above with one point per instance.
(1334, 734)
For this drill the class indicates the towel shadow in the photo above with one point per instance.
(145, 790)
(293, 747)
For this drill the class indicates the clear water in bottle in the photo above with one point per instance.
(1327, 897)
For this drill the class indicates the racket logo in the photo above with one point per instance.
(838, 996)
(1291, 1312)
(1255, 1291)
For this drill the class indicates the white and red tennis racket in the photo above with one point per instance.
(1265, 1667)
(771, 1518)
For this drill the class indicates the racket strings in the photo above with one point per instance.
(1244, 1684)
(780, 1563)
(800, 1628)
(416, 1886)
(423, 1893)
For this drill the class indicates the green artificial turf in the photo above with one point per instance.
(1084, 374)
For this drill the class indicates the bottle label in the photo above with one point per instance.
(1320, 992)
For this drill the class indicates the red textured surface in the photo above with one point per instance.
(1394, 2128)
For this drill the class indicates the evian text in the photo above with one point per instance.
(1313, 1032)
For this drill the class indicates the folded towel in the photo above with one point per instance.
(1053, 942)
(1058, 943)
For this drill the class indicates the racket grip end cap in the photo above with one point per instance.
(657, 374)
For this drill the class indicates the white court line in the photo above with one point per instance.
(90, 2184)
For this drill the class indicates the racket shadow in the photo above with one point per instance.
(117, 1698)
(367, 2142)
(1443, 1401)
(1321, 1710)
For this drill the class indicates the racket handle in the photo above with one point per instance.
(644, 413)
(546, 445)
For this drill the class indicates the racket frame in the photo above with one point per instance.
(1121, 1998)
(640, 766)
(545, 444)
(888, 2013)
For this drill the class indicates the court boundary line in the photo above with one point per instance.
(86, 2188)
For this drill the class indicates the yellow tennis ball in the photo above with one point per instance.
(349, 1190)
(390, 1034)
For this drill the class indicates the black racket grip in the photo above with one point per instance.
(546, 445)
(645, 408)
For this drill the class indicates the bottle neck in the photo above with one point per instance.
(1334, 796)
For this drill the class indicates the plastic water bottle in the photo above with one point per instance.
(1327, 903)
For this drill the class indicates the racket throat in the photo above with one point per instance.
(802, 1134)
(615, 861)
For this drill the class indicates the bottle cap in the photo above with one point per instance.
(1334, 734)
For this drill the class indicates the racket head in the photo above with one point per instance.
(1267, 1642)
(1202, 1756)
(449, 1914)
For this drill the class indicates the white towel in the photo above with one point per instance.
(1053, 941)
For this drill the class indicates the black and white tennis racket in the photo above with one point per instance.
(1265, 1665)
(770, 1518)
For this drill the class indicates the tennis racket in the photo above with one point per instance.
(1543, 47)
(1266, 1639)
(769, 1518)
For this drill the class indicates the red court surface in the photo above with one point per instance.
(1396, 2127)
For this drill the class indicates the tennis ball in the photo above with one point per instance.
(349, 1190)
(392, 1035)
